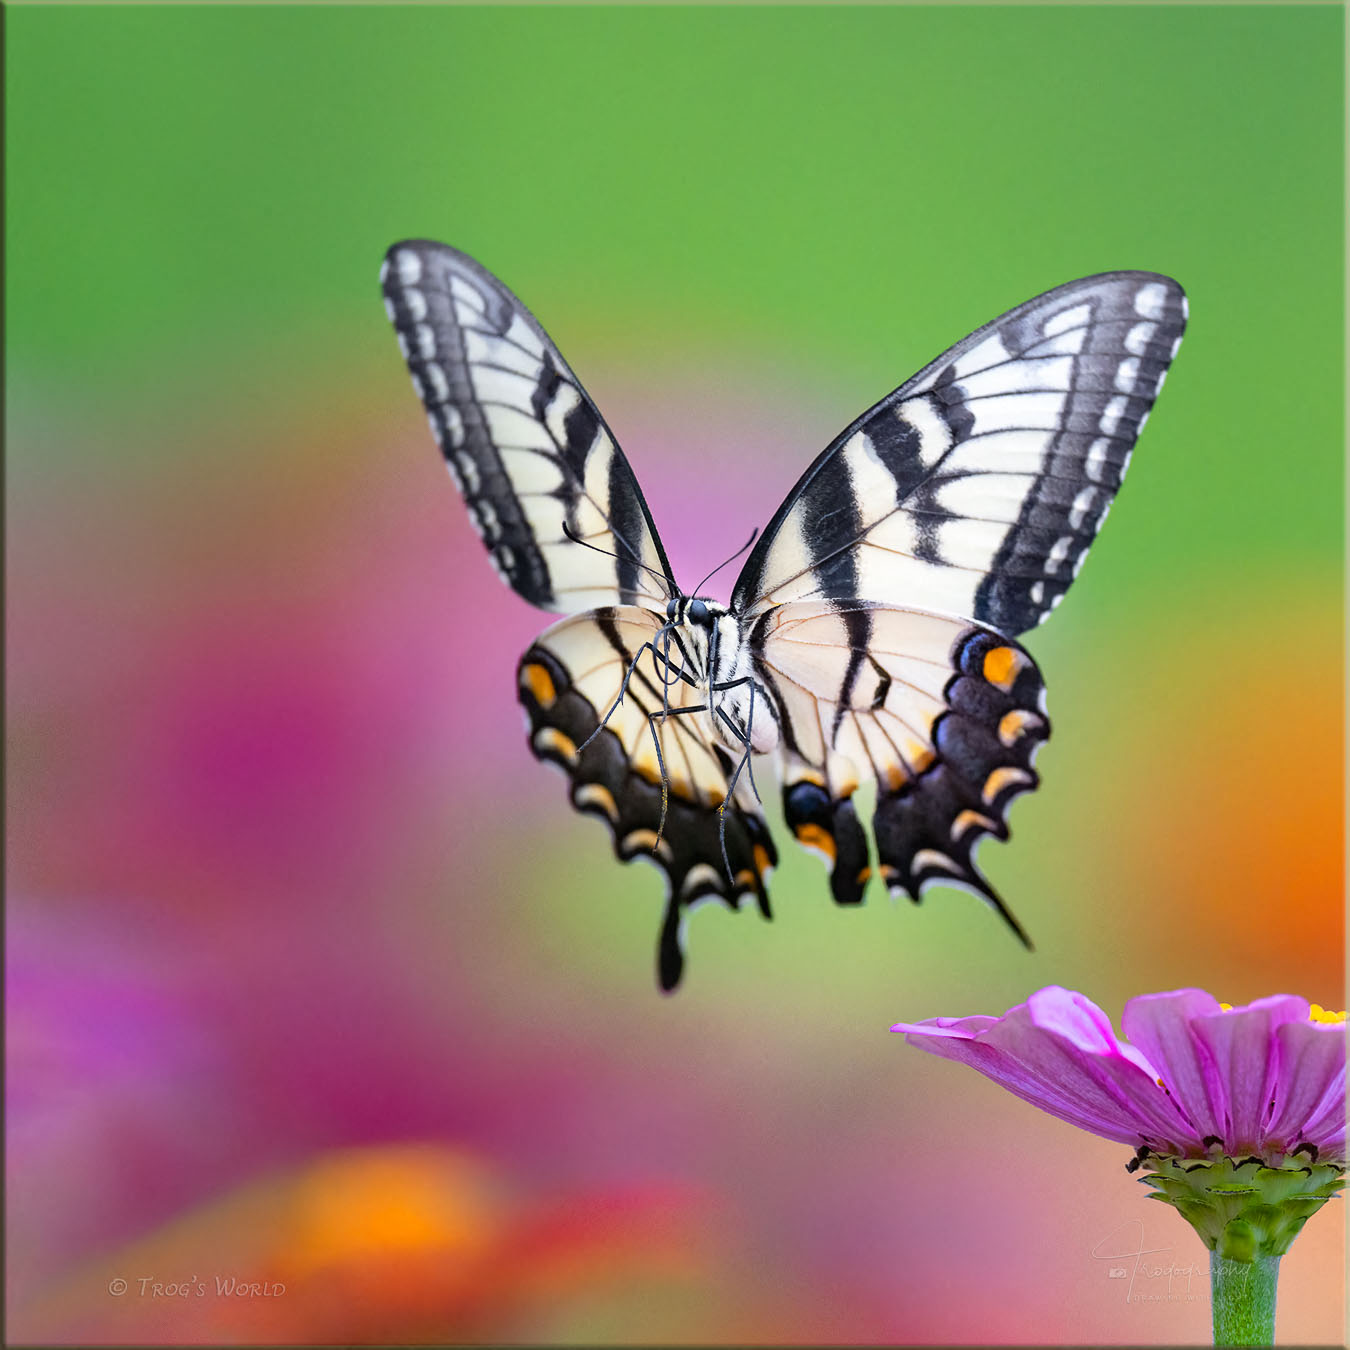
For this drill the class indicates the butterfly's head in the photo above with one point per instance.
(693, 610)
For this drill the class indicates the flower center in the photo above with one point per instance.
(1316, 1013)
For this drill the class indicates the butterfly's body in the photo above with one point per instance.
(871, 634)
(708, 648)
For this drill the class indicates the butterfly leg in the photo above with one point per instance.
(745, 762)
(746, 739)
(669, 673)
(623, 688)
(731, 787)
(652, 720)
(665, 679)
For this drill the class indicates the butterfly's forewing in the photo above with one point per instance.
(569, 680)
(945, 715)
(526, 446)
(977, 487)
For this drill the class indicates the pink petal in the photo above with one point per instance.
(1009, 1073)
(1310, 1092)
(1245, 1054)
(1160, 1025)
(964, 1027)
(1332, 1143)
(1075, 1017)
(1071, 1042)
(1058, 1052)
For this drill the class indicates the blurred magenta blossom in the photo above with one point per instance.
(1264, 1079)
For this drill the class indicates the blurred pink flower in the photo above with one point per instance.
(1265, 1079)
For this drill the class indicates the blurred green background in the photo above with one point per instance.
(312, 971)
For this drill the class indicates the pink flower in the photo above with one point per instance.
(1266, 1080)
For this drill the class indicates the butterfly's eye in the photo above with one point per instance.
(670, 607)
(698, 612)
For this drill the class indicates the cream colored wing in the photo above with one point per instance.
(946, 716)
(547, 486)
(570, 680)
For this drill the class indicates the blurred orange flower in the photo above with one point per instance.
(398, 1244)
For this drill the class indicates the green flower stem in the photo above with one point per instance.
(1247, 1211)
(1243, 1293)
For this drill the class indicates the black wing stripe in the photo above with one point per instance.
(496, 390)
(986, 477)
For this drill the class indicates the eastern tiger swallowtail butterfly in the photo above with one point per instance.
(871, 632)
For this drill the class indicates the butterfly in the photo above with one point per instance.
(872, 631)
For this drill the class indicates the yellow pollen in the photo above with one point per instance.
(1227, 1007)
(1317, 1013)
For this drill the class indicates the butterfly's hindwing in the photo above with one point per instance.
(977, 487)
(984, 745)
(568, 680)
(945, 715)
(525, 445)
(827, 825)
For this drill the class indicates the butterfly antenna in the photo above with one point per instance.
(698, 589)
(609, 553)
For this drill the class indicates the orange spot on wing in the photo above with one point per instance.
(970, 820)
(645, 766)
(540, 684)
(1001, 665)
(549, 740)
(918, 756)
(1003, 778)
(1015, 724)
(596, 794)
(637, 841)
(814, 836)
